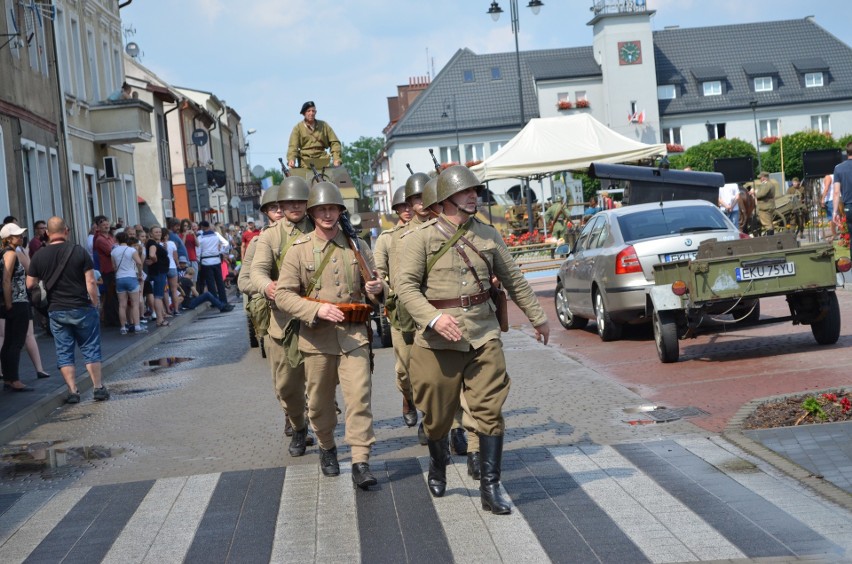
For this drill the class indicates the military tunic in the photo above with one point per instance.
(333, 352)
(288, 382)
(313, 143)
(475, 365)
(764, 193)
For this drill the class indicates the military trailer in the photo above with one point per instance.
(691, 297)
(643, 184)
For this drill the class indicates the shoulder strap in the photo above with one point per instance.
(48, 284)
(315, 278)
(465, 258)
(284, 248)
(449, 243)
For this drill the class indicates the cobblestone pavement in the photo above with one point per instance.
(187, 462)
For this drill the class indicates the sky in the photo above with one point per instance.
(266, 57)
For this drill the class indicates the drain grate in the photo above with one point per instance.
(663, 414)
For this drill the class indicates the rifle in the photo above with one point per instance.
(410, 171)
(556, 218)
(435, 161)
(284, 168)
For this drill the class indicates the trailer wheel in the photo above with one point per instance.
(563, 310)
(827, 330)
(608, 330)
(665, 336)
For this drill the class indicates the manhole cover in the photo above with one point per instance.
(166, 361)
(662, 414)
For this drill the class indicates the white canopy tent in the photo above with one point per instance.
(548, 145)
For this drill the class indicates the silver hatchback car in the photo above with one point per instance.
(607, 274)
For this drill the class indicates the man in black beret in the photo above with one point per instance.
(309, 140)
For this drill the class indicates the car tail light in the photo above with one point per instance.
(843, 264)
(679, 288)
(744, 235)
(627, 261)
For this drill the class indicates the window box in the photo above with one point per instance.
(582, 103)
(564, 105)
(674, 148)
(769, 140)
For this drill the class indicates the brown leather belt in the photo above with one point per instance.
(462, 301)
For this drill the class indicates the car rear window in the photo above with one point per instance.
(670, 221)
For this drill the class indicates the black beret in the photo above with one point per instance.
(306, 106)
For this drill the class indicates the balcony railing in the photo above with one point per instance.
(125, 121)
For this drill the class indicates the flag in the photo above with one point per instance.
(641, 117)
(266, 183)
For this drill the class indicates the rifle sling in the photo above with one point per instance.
(449, 243)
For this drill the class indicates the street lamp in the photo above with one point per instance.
(753, 104)
(444, 115)
(494, 11)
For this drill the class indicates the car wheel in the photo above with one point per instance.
(827, 330)
(665, 336)
(607, 329)
(563, 312)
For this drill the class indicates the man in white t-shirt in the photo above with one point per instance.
(729, 202)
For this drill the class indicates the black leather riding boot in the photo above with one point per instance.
(438, 466)
(491, 453)
(474, 465)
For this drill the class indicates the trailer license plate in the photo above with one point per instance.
(674, 257)
(765, 271)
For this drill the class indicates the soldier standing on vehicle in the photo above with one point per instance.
(385, 255)
(764, 193)
(309, 141)
(269, 249)
(457, 348)
(321, 285)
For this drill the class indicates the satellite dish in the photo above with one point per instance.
(258, 171)
(235, 202)
(132, 49)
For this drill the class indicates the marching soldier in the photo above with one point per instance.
(265, 260)
(384, 254)
(321, 285)
(308, 142)
(444, 280)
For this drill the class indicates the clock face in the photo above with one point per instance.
(629, 53)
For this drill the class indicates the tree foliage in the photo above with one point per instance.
(701, 156)
(794, 145)
(359, 158)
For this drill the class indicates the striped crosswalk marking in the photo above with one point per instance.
(646, 502)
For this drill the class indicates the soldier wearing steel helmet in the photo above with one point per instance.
(383, 252)
(321, 285)
(267, 251)
(457, 348)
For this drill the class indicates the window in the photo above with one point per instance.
(495, 73)
(13, 28)
(715, 131)
(763, 84)
(117, 70)
(473, 152)
(671, 135)
(94, 77)
(449, 154)
(713, 88)
(580, 95)
(62, 50)
(496, 146)
(768, 127)
(666, 92)
(4, 186)
(813, 79)
(106, 53)
(563, 96)
(468, 76)
(77, 63)
(821, 123)
(163, 140)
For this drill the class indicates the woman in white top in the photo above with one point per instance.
(828, 202)
(172, 276)
(128, 275)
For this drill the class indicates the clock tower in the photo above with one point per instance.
(624, 48)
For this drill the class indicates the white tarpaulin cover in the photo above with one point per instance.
(548, 145)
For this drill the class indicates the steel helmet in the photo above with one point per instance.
(293, 188)
(430, 192)
(270, 196)
(325, 193)
(415, 183)
(456, 179)
(398, 197)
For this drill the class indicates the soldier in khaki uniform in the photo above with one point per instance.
(308, 142)
(321, 285)
(270, 246)
(383, 253)
(764, 193)
(457, 347)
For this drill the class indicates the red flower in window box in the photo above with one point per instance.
(582, 103)
(469, 164)
(674, 148)
(564, 104)
(769, 140)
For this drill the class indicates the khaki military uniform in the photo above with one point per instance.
(764, 193)
(475, 365)
(309, 145)
(333, 352)
(557, 215)
(288, 382)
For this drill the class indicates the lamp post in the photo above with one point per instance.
(444, 115)
(494, 11)
(753, 104)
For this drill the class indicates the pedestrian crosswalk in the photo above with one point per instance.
(665, 501)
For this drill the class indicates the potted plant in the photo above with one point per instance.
(564, 104)
(674, 148)
(583, 103)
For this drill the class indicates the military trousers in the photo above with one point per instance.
(288, 382)
(352, 371)
(441, 376)
(765, 217)
(401, 352)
